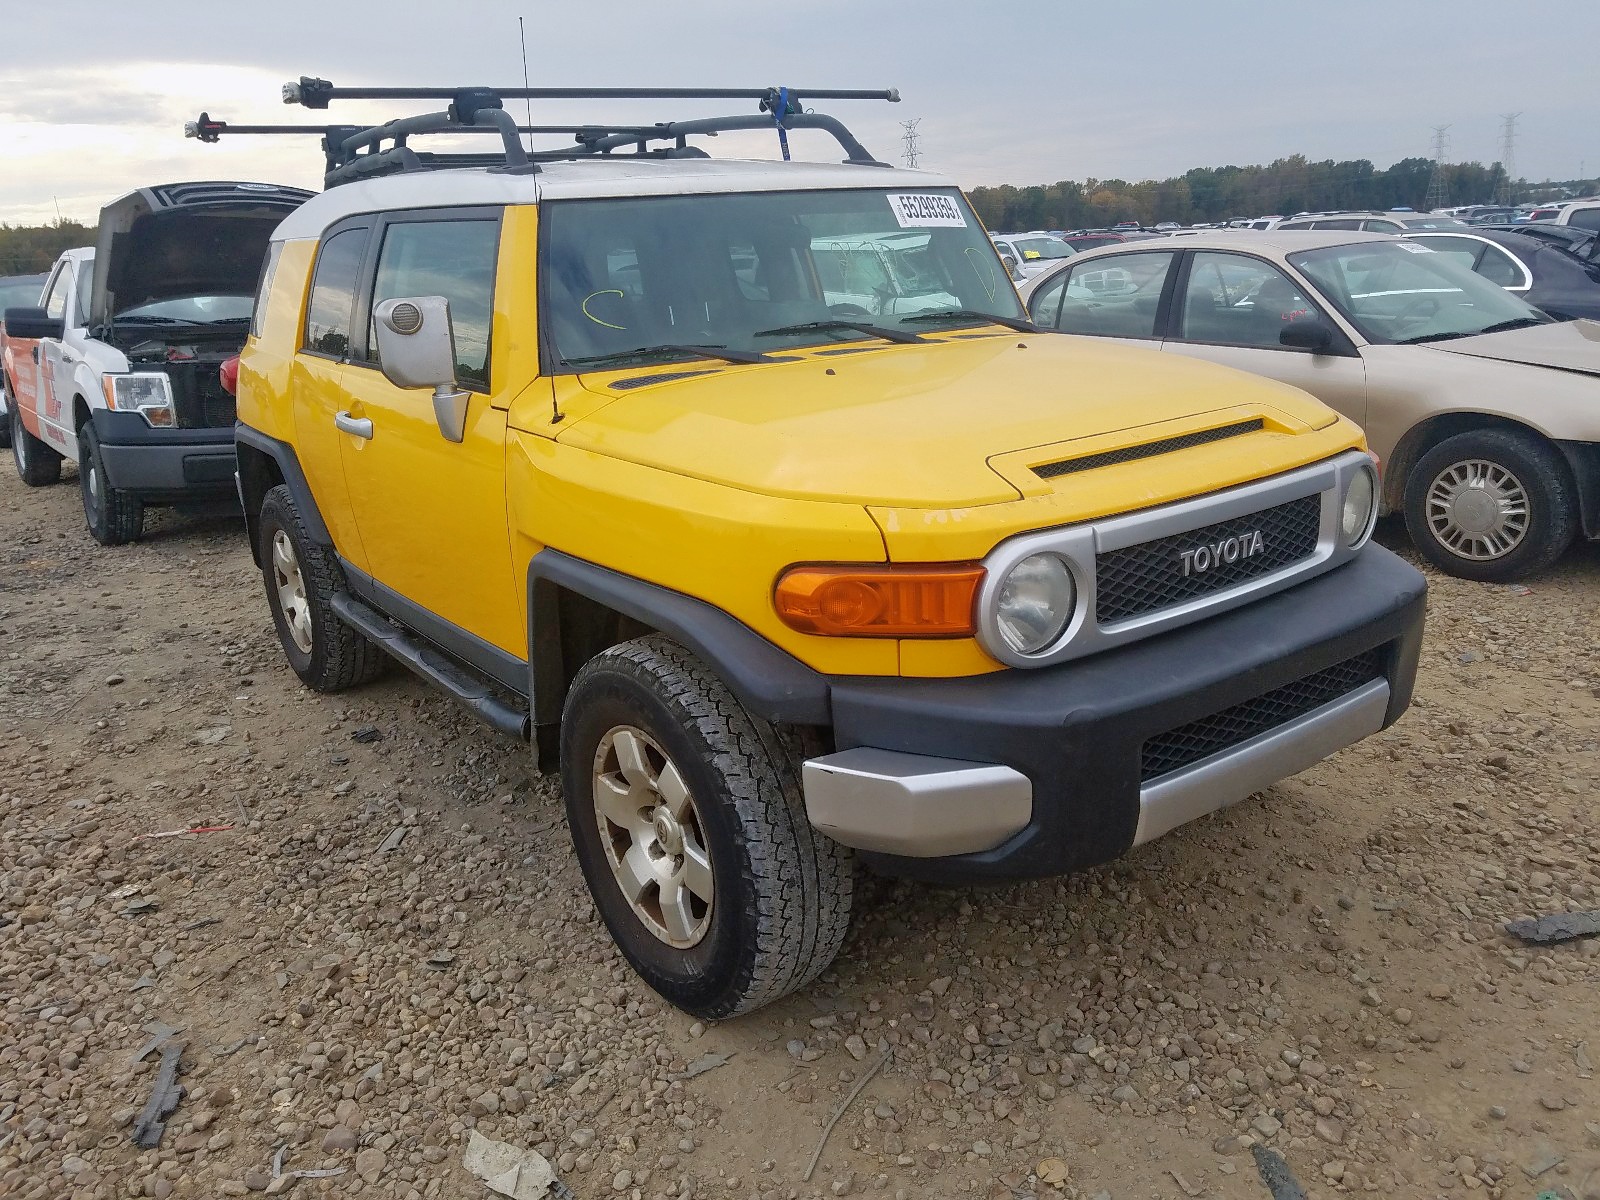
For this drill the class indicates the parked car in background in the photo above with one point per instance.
(1561, 279)
(14, 290)
(1030, 253)
(1585, 214)
(1484, 411)
(1094, 239)
(117, 365)
(1372, 221)
(1488, 216)
(1546, 212)
(879, 274)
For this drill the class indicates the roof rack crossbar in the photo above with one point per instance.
(356, 152)
(317, 93)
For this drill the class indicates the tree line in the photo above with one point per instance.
(1287, 186)
(31, 249)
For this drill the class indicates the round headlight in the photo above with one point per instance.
(1359, 500)
(1034, 603)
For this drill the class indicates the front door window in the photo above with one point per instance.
(1235, 300)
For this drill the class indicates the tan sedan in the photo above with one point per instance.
(1485, 412)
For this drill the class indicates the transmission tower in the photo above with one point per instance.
(1506, 193)
(1438, 188)
(908, 142)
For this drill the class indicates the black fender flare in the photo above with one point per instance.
(294, 477)
(769, 681)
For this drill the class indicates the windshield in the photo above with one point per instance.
(1404, 292)
(1042, 247)
(192, 310)
(1433, 223)
(725, 271)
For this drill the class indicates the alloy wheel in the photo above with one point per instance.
(652, 835)
(291, 587)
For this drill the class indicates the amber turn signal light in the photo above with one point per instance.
(917, 601)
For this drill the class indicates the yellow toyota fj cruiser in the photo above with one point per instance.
(785, 578)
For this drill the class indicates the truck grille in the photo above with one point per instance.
(1151, 576)
(1188, 744)
(199, 396)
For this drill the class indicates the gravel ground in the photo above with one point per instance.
(392, 945)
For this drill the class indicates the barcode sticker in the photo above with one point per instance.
(917, 210)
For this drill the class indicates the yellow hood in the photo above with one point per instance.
(916, 425)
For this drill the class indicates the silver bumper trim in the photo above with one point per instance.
(912, 804)
(1230, 775)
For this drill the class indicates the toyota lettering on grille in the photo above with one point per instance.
(1225, 550)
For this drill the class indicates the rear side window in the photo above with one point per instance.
(1585, 218)
(333, 293)
(1115, 296)
(454, 259)
(269, 268)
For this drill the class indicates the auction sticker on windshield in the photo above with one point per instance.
(915, 210)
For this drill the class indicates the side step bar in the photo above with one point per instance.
(475, 695)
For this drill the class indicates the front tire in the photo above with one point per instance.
(687, 817)
(1492, 505)
(115, 517)
(301, 579)
(38, 465)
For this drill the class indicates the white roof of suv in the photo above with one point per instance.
(612, 175)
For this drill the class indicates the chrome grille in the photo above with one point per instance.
(1150, 576)
(1188, 744)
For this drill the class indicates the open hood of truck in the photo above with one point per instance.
(938, 425)
(185, 239)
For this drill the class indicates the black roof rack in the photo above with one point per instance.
(358, 152)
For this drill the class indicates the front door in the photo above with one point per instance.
(432, 513)
(1230, 309)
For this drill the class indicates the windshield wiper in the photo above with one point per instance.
(880, 331)
(671, 350)
(972, 314)
(1498, 327)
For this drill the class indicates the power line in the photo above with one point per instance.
(1506, 193)
(908, 141)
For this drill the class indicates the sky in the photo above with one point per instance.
(1141, 89)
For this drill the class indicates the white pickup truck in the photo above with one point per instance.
(117, 369)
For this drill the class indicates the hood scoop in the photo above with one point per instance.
(1125, 454)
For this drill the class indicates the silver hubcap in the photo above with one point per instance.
(291, 587)
(1477, 509)
(651, 833)
(92, 481)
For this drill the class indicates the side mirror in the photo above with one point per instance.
(32, 323)
(1313, 334)
(416, 349)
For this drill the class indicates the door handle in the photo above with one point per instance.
(68, 359)
(360, 427)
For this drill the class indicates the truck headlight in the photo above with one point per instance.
(1034, 603)
(1360, 507)
(149, 395)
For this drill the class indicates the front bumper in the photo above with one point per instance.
(1076, 734)
(164, 464)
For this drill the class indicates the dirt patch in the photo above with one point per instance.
(392, 944)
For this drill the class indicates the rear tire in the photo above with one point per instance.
(1491, 505)
(301, 579)
(38, 465)
(115, 517)
(688, 820)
